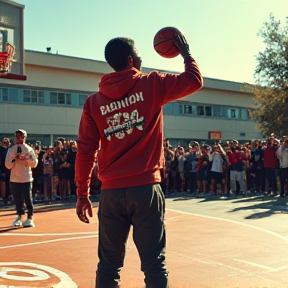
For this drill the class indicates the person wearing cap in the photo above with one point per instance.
(20, 159)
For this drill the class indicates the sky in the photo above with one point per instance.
(222, 34)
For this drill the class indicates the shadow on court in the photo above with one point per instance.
(269, 206)
(7, 229)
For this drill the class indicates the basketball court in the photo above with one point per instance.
(202, 251)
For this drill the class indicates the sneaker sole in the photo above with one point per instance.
(29, 226)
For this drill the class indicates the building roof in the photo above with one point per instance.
(60, 61)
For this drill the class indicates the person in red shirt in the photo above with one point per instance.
(123, 125)
(235, 156)
(271, 163)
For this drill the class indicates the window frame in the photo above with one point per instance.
(66, 98)
(2, 92)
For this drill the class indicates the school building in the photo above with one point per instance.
(49, 103)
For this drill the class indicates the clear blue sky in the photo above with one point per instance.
(222, 33)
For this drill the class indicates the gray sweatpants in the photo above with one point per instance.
(237, 176)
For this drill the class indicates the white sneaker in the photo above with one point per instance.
(17, 222)
(28, 223)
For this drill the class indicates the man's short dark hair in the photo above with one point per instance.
(117, 51)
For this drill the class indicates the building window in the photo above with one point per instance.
(4, 94)
(60, 98)
(217, 111)
(33, 96)
(200, 110)
(224, 112)
(188, 109)
(82, 99)
(244, 114)
(208, 111)
(233, 113)
(204, 110)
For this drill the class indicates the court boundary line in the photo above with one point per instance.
(245, 225)
(231, 221)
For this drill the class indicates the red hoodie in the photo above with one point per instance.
(122, 125)
(270, 159)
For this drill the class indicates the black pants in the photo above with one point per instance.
(271, 177)
(283, 179)
(22, 192)
(192, 181)
(143, 207)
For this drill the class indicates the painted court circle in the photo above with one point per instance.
(35, 272)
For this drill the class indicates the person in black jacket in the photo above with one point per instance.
(4, 172)
(71, 157)
(257, 169)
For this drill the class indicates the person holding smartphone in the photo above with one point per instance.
(20, 159)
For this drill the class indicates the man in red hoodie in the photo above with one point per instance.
(122, 125)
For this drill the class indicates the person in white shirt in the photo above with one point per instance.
(217, 168)
(20, 159)
(282, 154)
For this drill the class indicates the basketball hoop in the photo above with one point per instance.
(6, 59)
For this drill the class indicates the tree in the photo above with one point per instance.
(271, 78)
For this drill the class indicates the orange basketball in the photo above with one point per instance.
(164, 43)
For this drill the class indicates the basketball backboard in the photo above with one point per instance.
(11, 32)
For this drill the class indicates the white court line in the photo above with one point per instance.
(245, 225)
(48, 241)
(281, 268)
(172, 210)
(232, 221)
(262, 266)
(49, 234)
(65, 280)
(172, 219)
(255, 264)
(221, 265)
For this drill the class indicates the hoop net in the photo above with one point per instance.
(6, 59)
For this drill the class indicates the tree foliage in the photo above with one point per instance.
(271, 78)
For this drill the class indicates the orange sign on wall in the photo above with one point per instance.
(214, 135)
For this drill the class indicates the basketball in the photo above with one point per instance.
(164, 43)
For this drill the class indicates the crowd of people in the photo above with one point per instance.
(229, 168)
(224, 169)
(53, 177)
